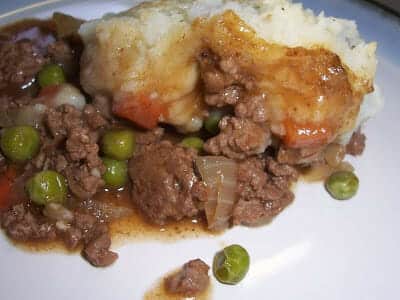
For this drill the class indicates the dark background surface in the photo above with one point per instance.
(393, 5)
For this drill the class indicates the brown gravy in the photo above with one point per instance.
(136, 227)
(132, 228)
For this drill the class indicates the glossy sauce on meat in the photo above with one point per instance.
(308, 95)
(270, 97)
(308, 92)
(133, 225)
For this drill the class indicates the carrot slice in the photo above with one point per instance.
(49, 91)
(139, 109)
(6, 182)
(306, 135)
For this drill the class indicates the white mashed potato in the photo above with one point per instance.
(150, 51)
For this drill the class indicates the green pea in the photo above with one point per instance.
(116, 174)
(342, 185)
(51, 74)
(193, 142)
(20, 143)
(47, 187)
(119, 144)
(231, 264)
(212, 121)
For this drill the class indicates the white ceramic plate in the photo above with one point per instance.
(318, 248)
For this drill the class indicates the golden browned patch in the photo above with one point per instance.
(306, 87)
(311, 96)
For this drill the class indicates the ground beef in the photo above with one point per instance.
(226, 84)
(78, 132)
(82, 181)
(301, 156)
(232, 69)
(263, 190)
(27, 222)
(61, 53)
(356, 144)
(223, 76)
(22, 224)
(94, 235)
(71, 237)
(60, 119)
(213, 77)
(252, 107)
(97, 244)
(150, 137)
(191, 280)
(238, 138)
(281, 170)
(20, 61)
(94, 117)
(162, 177)
(227, 96)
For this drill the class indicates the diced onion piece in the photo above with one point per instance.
(68, 94)
(62, 225)
(112, 211)
(345, 166)
(220, 175)
(58, 212)
(95, 172)
(31, 115)
(334, 154)
(320, 172)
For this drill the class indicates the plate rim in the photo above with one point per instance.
(372, 3)
(29, 7)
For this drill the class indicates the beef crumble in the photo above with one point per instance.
(163, 181)
(191, 280)
(238, 138)
(263, 189)
(19, 64)
(25, 223)
(226, 85)
(21, 224)
(356, 144)
(80, 162)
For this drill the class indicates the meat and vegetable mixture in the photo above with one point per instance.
(218, 136)
(61, 147)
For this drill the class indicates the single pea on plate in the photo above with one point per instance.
(231, 264)
(342, 185)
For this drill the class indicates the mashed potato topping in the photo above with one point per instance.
(312, 71)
